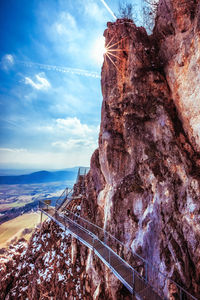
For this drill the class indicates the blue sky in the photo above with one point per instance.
(50, 93)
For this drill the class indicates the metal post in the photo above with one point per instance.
(146, 272)
(104, 237)
(133, 283)
(41, 220)
(105, 243)
(181, 294)
(93, 243)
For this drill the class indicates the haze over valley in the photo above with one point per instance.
(19, 196)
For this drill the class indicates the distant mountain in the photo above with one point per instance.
(16, 172)
(40, 177)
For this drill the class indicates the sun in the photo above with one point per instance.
(114, 51)
(98, 50)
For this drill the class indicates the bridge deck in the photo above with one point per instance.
(124, 272)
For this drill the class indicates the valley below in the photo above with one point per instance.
(19, 214)
(18, 199)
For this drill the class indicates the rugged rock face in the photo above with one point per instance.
(177, 33)
(144, 180)
(148, 159)
(50, 267)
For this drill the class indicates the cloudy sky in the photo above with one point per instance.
(50, 93)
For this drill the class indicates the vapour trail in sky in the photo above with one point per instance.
(60, 69)
(108, 8)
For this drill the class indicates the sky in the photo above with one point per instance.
(50, 90)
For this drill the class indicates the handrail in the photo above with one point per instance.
(61, 195)
(136, 254)
(82, 171)
(130, 249)
(94, 237)
(66, 192)
(147, 264)
(89, 232)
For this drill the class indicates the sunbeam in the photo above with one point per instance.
(110, 51)
(117, 56)
(116, 43)
(107, 54)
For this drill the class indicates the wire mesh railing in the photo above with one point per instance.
(66, 195)
(139, 275)
(148, 271)
(82, 171)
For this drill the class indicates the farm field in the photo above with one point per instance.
(19, 227)
(19, 213)
(18, 195)
(18, 199)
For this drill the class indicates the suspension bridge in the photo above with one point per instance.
(142, 280)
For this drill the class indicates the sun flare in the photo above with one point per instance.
(113, 51)
(99, 50)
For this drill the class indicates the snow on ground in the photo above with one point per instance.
(43, 265)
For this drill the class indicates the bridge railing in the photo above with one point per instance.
(82, 171)
(140, 267)
(67, 193)
(43, 205)
(144, 268)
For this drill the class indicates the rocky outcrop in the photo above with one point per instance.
(147, 156)
(50, 267)
(177, 33)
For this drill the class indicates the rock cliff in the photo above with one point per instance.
(177, 35)
(146, 173)
(144, 180)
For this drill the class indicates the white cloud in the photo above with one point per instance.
(69, 134)
(66, 101)
(65, 34)
(41, 82)
(9, 58)
(13, 150)
(68, 142)
(65, 27)
(93, 10)
(74, 126)
(74, 137)
(7, 62)
(76, 144)
(45, 128)
(43, 159)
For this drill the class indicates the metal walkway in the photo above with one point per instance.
(139, 280)
(68, 194)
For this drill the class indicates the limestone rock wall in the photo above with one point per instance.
(177, 33)
(148, 149)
